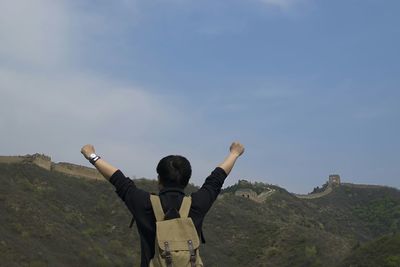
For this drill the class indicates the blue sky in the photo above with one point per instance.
(310, 87)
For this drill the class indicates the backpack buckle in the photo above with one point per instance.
(192, 253)
(168, 257)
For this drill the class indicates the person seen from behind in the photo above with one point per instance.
(174, 172)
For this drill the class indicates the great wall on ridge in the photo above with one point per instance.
(45, 162)
(333, 181)
(75, 170)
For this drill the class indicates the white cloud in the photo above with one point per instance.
(58, 115)
(49, 105)
(129, 126)
(80, 98)
(34, 32)
(54, 34)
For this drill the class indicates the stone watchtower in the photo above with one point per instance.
(334, 180)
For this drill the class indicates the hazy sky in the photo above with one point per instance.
(311, 87)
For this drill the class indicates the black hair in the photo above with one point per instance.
(174, 171)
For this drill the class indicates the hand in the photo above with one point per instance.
(237, 148)
(86, 150)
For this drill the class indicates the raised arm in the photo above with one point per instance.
(105, 168)
(236, 150)
(203, 198)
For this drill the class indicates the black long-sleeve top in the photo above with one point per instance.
(138, 202)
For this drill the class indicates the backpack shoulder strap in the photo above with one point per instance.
(132, 222)
(185, 207)
(157, 208)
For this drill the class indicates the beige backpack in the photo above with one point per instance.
(177, 243)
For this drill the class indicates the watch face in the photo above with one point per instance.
(92, 156)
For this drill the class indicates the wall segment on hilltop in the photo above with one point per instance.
(40, 160)
(250, 194)
(11, 159)
(76, 170)
(45, 162)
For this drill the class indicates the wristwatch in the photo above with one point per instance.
(93, 158)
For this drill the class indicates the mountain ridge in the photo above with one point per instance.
(76, 170)
(49, 219)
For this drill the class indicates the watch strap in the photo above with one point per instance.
(94, 159)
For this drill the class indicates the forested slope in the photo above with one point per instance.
(50, 219)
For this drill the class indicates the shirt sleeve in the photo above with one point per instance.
(208, 193)
(126, 189)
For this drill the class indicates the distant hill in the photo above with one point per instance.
(49, 218)
(383, 251)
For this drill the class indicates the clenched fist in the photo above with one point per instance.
(86, 150)
(237, 148)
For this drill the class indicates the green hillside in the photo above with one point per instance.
(384, 251)
(50, 219)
